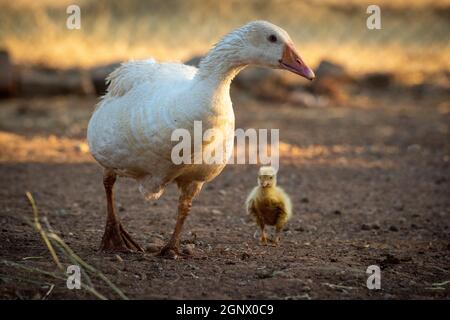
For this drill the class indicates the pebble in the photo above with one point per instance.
(282, 274)
(245, 256)
(264, 274)
(393, 228)
(365, 226)
(189, 249)
(398, 206)
(153, 247)
(414, 148)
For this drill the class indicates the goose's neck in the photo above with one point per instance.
(218, 71)
(223, 62)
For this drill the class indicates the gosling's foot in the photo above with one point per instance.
(275, 241)
(263, 240)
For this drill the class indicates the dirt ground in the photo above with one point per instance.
(369, 182)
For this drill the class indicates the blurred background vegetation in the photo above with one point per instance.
(414, 36)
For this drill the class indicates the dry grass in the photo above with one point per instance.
(414, 37)
(52, 240)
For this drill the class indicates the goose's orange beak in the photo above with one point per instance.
(292, 61)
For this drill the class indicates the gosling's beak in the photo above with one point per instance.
(292, 61)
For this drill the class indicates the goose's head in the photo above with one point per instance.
(265, 44)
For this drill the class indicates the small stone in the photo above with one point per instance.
(304, 200)
(189, 249)
(245, 256)
(337, 212)
(414, 148)
(264, 274)
(153, 248)
(281, 274)
(393, 228)
(375, 226)
(365, 226)
(398, 206)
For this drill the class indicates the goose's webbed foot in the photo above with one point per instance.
(116, 239)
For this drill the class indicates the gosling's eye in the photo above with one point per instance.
(271, 178)
(272, 38)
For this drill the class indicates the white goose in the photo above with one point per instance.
(130, 131)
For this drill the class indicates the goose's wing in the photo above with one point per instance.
(128, 128)
(133, 73)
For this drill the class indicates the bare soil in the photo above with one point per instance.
(369, 182)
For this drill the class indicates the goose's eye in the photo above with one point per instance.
(272, 38)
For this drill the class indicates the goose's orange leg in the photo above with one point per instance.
(115, 238)
(188, 192)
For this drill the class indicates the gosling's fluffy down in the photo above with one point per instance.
(269, 204)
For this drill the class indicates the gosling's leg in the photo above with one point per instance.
(115, 238)
(262, 226)
(263, 234)
(277, 237)
(278, 228)
(172, 249)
